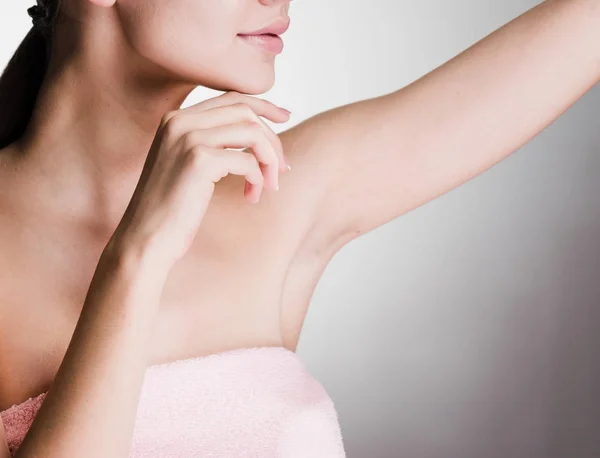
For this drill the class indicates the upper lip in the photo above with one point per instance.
(276, 28)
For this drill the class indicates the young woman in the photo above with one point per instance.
(138, 320)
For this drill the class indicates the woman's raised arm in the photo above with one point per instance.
(382, 157)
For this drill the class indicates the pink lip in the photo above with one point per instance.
(277, 28)
(272, 43)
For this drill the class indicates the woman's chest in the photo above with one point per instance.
(225, 293)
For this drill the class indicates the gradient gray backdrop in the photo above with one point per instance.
(470, 327)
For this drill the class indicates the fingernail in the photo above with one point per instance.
(287, 111)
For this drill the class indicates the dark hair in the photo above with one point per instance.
(22, 78)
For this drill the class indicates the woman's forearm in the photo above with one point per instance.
(91, 406)
(4, 451)
(491, 99)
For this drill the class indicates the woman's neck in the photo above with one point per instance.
(90, 133)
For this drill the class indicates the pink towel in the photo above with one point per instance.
(249, 402)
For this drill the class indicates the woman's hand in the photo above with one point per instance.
(188, 156)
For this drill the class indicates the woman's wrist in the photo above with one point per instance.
(134, 264)
(132, 254)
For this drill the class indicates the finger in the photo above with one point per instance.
(241, 135)
(276, 142)
(261, 107)
(228, 114)
(224, 162)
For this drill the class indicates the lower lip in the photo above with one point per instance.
(272, 43)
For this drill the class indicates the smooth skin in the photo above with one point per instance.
(250, 271)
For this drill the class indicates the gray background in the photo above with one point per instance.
(469, 327)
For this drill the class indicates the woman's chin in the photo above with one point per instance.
(260, 87)
(251, 84)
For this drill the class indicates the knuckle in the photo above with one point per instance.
(253, 126)
(198, 156)
(166, 117)
(251, 160)
(246, 111)
(189, 140)
(171, 126)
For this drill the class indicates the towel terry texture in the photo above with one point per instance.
(250, 402)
